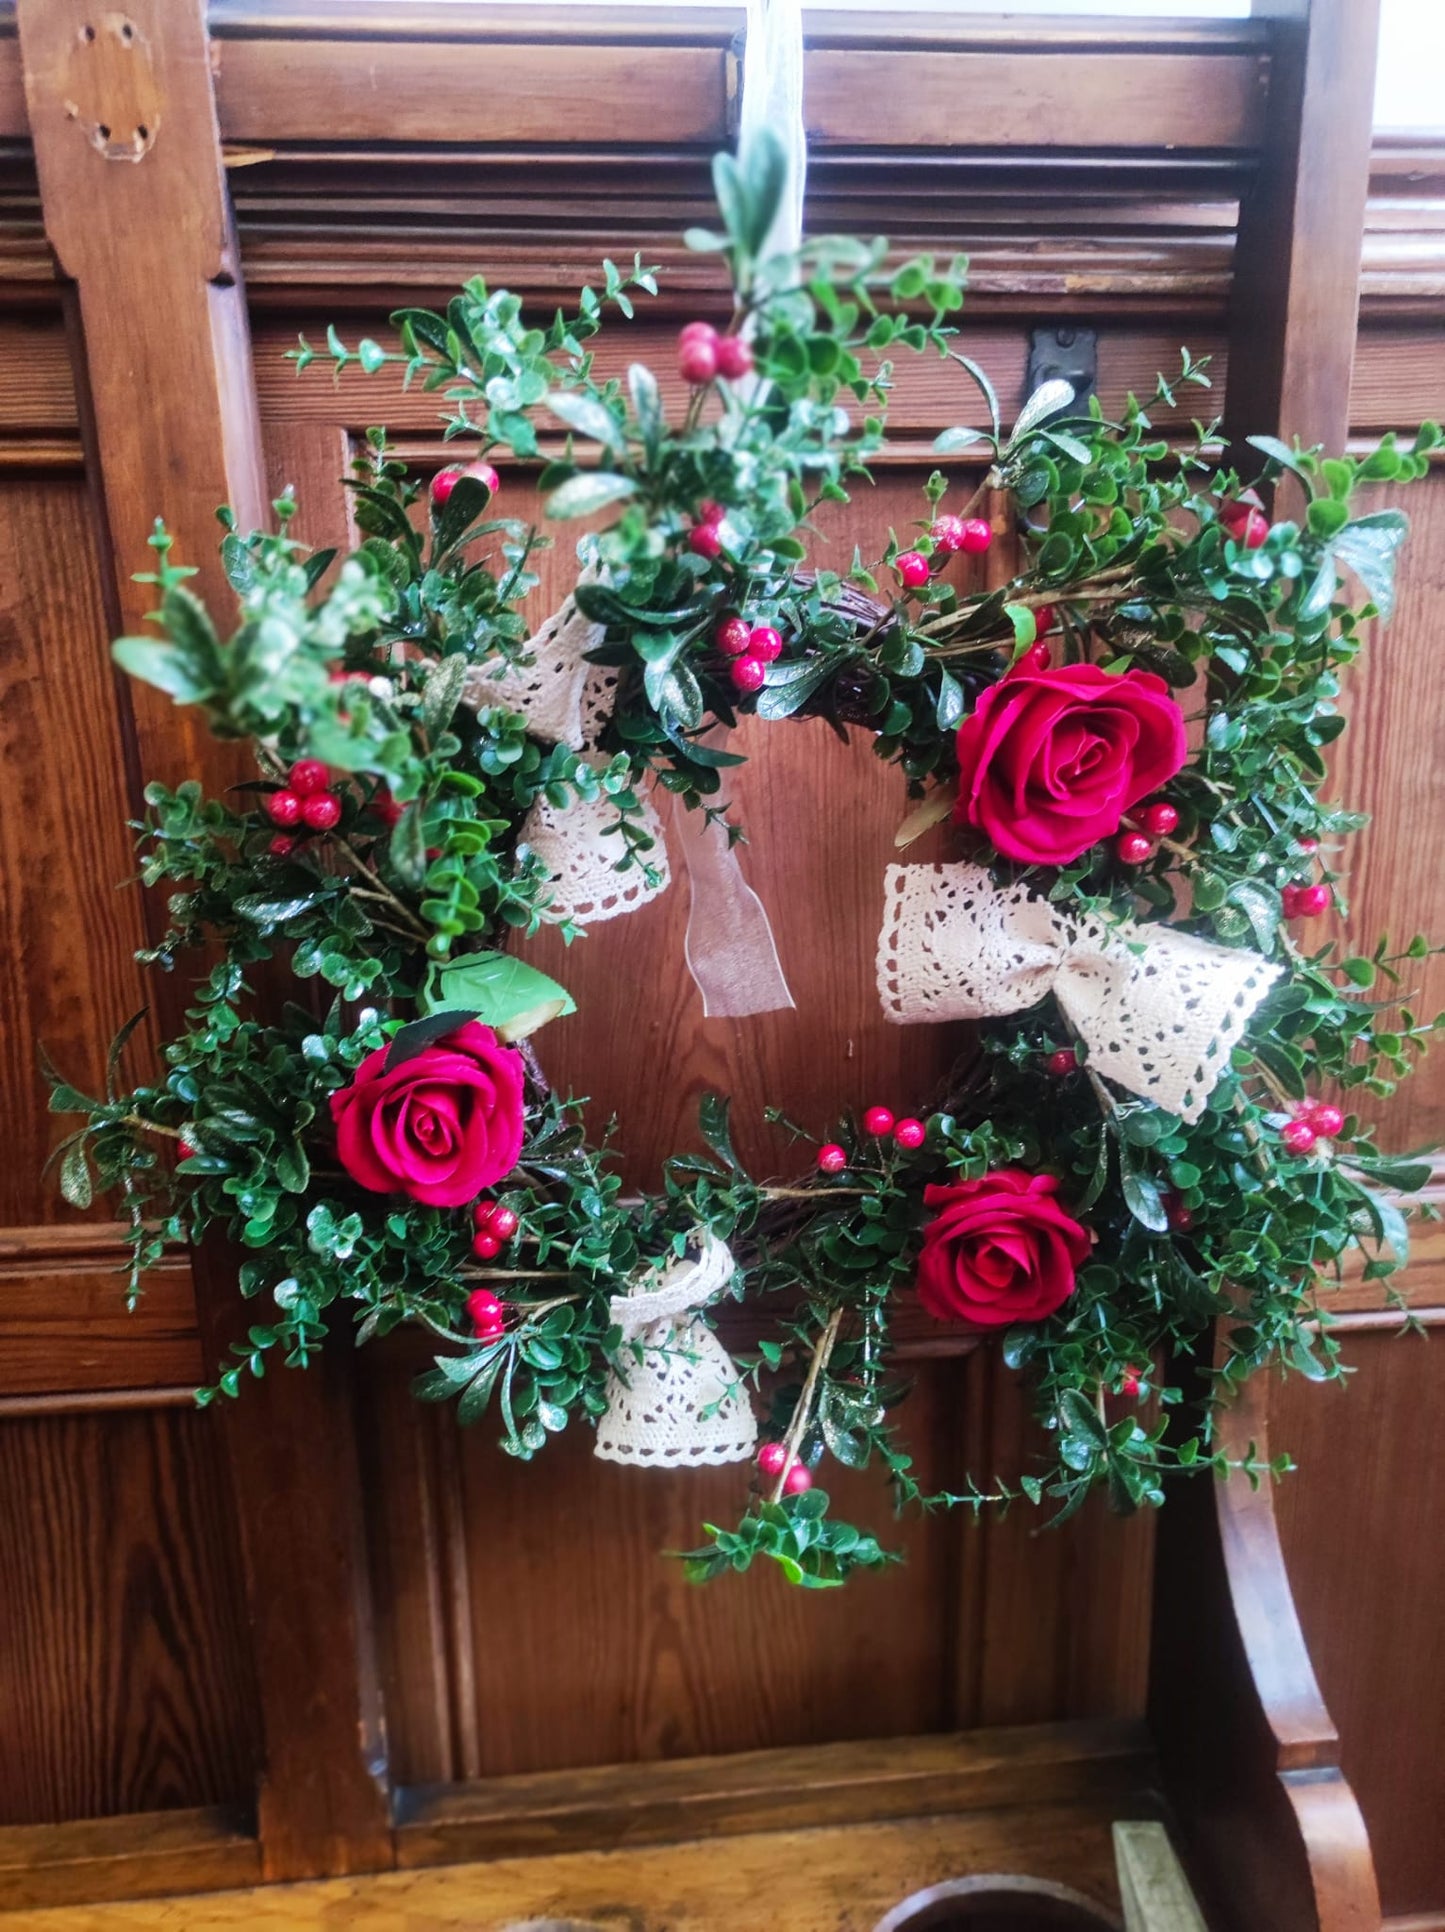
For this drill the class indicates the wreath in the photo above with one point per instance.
(1157, 1135)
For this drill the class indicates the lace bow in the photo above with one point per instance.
(1158, 1010)
(674, 1398)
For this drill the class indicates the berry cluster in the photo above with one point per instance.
(306, 801)
(1314, 1121)
(495, 1225)
(949, 535)
(1304, 901)
(487, 1314)
(907, 1134)
(752, 647)
(773, 1459)
(703, 355)
(445, 481)
(1138, 845)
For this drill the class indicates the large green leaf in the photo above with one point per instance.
(1369, 546)
(502, 992)
(154, 661)
(587, 416)
(587, 492)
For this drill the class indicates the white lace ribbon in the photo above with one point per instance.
(1158, 1010)
(674, 1397)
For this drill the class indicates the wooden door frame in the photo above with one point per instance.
(1248, 95)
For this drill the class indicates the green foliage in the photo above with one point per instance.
(376, 664)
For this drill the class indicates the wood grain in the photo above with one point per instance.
(1385, 1509)
(69, 935)
(132, 1856)
(120, 1621)
(836, 1879)
(937, 99)
(297, 90)
(65, 1329)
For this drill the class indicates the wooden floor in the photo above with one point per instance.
(840, 1879)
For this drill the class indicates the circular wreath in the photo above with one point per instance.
(1128, 736)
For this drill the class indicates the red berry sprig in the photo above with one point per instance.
(832, 1158)
(1244, 520)
(1134, 848)
(878, 1121)
(1298, 1136)
(1062, 1061)
(913, 569)
(771, 1458)
(909, 1134)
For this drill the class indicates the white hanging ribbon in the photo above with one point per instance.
(1158, 1010)
(772, 83)
(729, 945)
(674, 1396)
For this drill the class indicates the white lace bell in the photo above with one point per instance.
(674, 1396)
(565, 700)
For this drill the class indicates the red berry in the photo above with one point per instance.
(386, 808)
(485, 1245)
(765, 643)
(733, 636)
(947, 533)
(771, 1458)
(1326, 1120)
(185, 1151)
(483, 1306)
(1308, 846)
(697, 356)
(1253, 531)
(909, 1134)
(1178, 1215)
(321, 811)
(748, 673)
(878, 1121)
(1129, 1382)
(482, 1212)
(484, 474)
(797, 1480)
(832, 1158)
(709, 511)
(977, 536)
(503, 1222)
(1062, 1060)
(912, 568)
(281, 845)
(1298, 1136)
(1045, 617)
(1159, 820)
(308, 775)
(734, 357)
(1133, 848)
(490, 1330)
(703, 329)
(703, 540)
(442, 485)
(1037, 657)
(1289, 901)
(283, 808)
(1310, 900)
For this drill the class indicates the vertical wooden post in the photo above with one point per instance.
(127, 149)
(1301, 226)
(1249, 1753)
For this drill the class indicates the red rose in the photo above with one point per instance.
(1050, 761)
(441, 1126)
(1000, 1249)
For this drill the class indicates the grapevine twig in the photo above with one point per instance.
(822, 1350)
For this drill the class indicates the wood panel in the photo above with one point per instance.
(64, 1327)
(68, 934)
(1361, 1525)
(120, 1620)
(1391, 764)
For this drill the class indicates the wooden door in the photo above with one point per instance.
(427, 1652)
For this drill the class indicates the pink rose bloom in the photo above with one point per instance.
(1050, 761)
(441, 1126)
(999, 1250)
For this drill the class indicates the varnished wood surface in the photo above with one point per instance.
(838, 1879)
(124, 1684)
(135, 1855)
